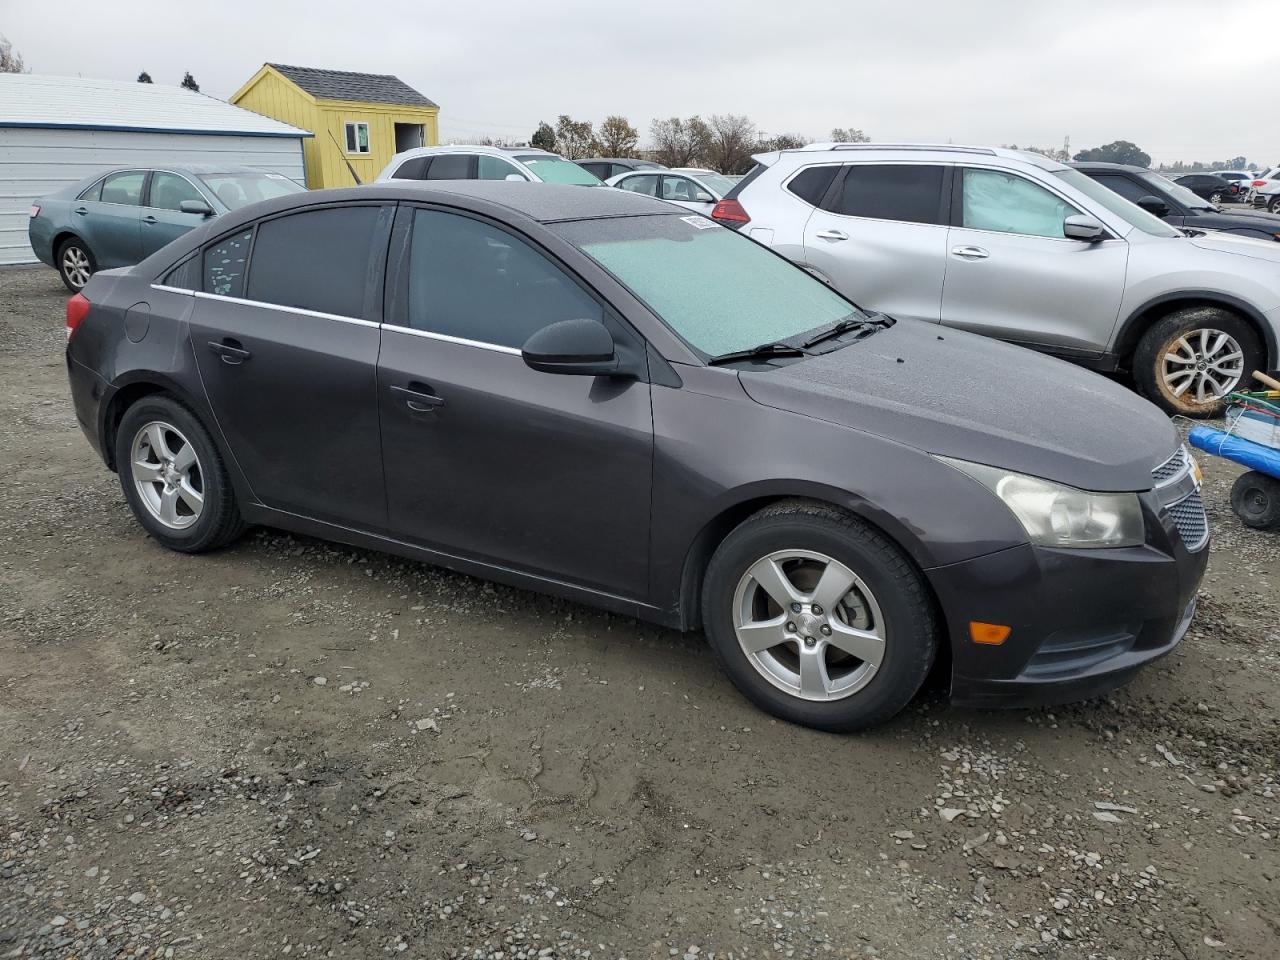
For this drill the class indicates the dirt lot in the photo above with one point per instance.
(292, 748)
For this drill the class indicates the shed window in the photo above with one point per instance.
(357, 137)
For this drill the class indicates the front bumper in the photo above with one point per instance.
(1083, 622)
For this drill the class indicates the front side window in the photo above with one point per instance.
(451, 166)
(123, 188)
(315, 260)
(224, 263)
(713, 287)
(552, 169)
(1006, 203)
(168, 190)
(910, 193)
(236, 190)
(357, 137)
(646, 184)
(678, 188)
(471, 280)
(1131, 190)
(495, 168)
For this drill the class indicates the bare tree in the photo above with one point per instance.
(10, 59)
(678, 143)
(848, 135)
(575, 138)
(618, 138)
(729, 148)
(783, 141)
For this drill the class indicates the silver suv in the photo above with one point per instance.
(1016, 246)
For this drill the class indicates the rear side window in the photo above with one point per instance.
(451, 166)
(124, 188)
(911, 193)
(315, 260)
(469, 279)
(224, 264)
(811, 185)
(415, 168)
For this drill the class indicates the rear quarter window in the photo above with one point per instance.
(224, 264)
(811, 185)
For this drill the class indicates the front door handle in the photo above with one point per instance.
(230, 351)
(969, 253)
(149, 219)
(418, 397)
(831, 235)
(82, 210)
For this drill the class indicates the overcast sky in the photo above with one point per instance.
(1178, 77)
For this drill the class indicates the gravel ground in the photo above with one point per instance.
(293, 748)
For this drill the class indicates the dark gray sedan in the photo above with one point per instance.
(118, 217)
(596, 395)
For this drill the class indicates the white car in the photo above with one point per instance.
(1265, 190)
(462, 162)
(700, 192)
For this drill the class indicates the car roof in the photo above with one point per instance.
(474, 148)
(195, 169)
(1101, 165)
(912, 150)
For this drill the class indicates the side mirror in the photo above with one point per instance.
(703, 197)
(584, 347)
(1080, 227)
(514, 176)
(1154, 205)
(196, 206)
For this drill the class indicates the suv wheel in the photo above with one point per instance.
(173, 478)
(818, 618)
(1189, 362)
(75, 264)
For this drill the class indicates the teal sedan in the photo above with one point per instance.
(120, 217)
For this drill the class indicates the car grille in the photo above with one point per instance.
(1189, 517)
(1171, 467)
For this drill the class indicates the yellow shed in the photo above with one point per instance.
(360, 120)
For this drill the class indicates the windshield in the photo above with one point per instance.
(557, 170)
(1176, 190)
(1129, 212)
(719, 291)
(237, 190)
(717, 182)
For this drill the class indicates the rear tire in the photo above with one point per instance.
(76, 264)
(1255, 498)
(1184, 365)
(1274, 205)
(174, 478)
(844, 658)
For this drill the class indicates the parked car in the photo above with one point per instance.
(1177, 205)
(1020, 247)
(606, 167)
(592, 394)
(485, 163)
(700, 193)
(1210, 186)
(117, 217)
(1240, 178)
(1264, 190)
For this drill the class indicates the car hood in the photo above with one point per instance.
(959, 395)
(1254, 247)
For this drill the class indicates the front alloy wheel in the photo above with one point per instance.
(1204, 364)
(1215, 198)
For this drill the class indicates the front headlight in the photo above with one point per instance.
(1055, 515)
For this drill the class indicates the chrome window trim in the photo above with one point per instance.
(276, 306)
(167, 289)
(460, 341)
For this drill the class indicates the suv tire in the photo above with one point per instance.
(174, 478)
(1185, 350)
(886, 613)
(76, 263)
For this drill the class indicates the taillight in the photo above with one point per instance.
(35, 210)
(77, 310)
(1259, 183)
(730, 213)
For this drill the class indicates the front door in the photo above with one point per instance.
(880, 238)
(1013, 274)
(490, 460)
(287, 346)
(162, 218)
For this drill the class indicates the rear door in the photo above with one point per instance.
(162, 216)
(879, 235)
(285, 334)
(109, 219)
(1013, 274)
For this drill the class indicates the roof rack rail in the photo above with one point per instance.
(946, 147)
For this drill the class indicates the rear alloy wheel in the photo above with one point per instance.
(1255, 498)
(1190, 362)
(1215, 198)
(818, 618)
(75, 264)
(1274, 205)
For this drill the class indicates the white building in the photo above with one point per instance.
(55, 131)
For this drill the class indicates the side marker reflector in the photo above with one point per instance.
(991, 634)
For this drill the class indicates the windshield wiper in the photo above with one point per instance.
(763, 350)
(848, 323)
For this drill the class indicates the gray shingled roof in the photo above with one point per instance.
(341, 85)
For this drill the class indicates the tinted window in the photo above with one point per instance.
(648, 185)
(224, 265)
(93, 193)
(905, 192)
(1131, 190)
(168, 190)
(185, 276)
(811, 185)
(494, 168)
(317, 260)
(601, 170)
(123, 188)
(471, 280)
(415, 168)
(1006, 203)
(451, 166)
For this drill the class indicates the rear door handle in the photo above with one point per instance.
(831, 235)
(149, 219)
(969, 253)
(230, 351)
(418, 397)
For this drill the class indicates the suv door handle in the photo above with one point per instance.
(230, 351)
(418, 397)
(969, 253)
(831, 235)
(149, 219)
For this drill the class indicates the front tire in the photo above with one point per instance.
(818, 618)
(1255, 498)
(76, 264)
(174, 478)
(1189, 362)
(1274, 205)
(1215, 198)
